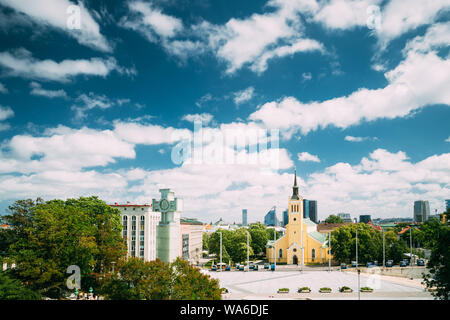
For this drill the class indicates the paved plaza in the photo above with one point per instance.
(264, 285)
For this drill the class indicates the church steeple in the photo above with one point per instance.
(295, 187)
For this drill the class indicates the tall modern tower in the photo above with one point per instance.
(270, 218)
(313, 210)
(244, 217)
(285, 217)
(447, 204)
(168, 229)
(305, 208)
(421, 211)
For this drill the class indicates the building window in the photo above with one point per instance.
(313, 254)
(280, 253)
(185, 248)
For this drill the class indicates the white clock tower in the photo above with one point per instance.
(168, 229)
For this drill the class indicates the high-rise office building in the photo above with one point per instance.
(270, 218)
(310, 209)
(313, 210)
(421, 211)
(365, 218)
(447, 204)
(345, 216)
(244, 217)
(285, 217)
(305, 208)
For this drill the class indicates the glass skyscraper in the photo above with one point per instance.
(310, 209)
(285, 217)
(270, 218)
(244, 217)
(421, 211)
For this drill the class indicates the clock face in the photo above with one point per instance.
(164, 204)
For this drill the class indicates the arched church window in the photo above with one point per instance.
(313, 254)
(280, 253)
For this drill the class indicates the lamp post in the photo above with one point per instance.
(275, 246)
(248, 251)
(329, 251)
(410, 247)
(384, 250)
(357, 265)
(220, 251)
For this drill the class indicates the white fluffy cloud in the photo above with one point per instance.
(384, 185)
(418, 81)
(21, 63)
(54, 13)
(244, 95)
(306, 156)
(37, 90)
(205, 118)
(3, 88)
(359, 139)
(5, 113)
(151, 22)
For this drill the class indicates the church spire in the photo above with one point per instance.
(295, 187)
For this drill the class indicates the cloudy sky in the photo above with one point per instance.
(95, 99)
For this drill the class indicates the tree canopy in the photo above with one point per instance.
(155, 280)
(48, 237)
(334, 219)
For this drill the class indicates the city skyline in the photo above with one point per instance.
(358, 97)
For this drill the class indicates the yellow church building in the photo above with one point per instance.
(302, 243)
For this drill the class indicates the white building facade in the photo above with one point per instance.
(139, 229)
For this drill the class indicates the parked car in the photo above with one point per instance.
(227, 268)
(266, 266)
(241, 267)
(375, 263)
(403, 264)
(343, 266)
(421, 262)
(272, 267)
(369, 265)
(213, 267)
(389, 263)
(353, 264)
(252, 266)
(255, 267)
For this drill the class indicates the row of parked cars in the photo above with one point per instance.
(241, 267)
(389, 263)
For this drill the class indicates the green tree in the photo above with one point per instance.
(155, 280)
(437, 238)
(334, 219)
(205, 240)
(12, 289)
(214, 244)
(238, 246)
(56, 234)
(259, 237)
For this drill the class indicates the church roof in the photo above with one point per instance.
(295, 188)
(318, 236)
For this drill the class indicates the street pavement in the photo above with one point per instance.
(264, 284)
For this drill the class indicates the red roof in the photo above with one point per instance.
(129, 205)
(404, 230)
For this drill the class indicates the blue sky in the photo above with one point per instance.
(358, 90)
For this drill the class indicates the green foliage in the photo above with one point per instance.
(334, 219)
(370, 244)
(48, 237)
(155, 280)
(12, 289)
(205, 240)
(259, 237)
(234, 244)
(437, 238)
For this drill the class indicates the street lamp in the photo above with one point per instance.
(384, 250)
(275, 246)
(329, 251)
(357, 265)
(220, 251)
(248, 251)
